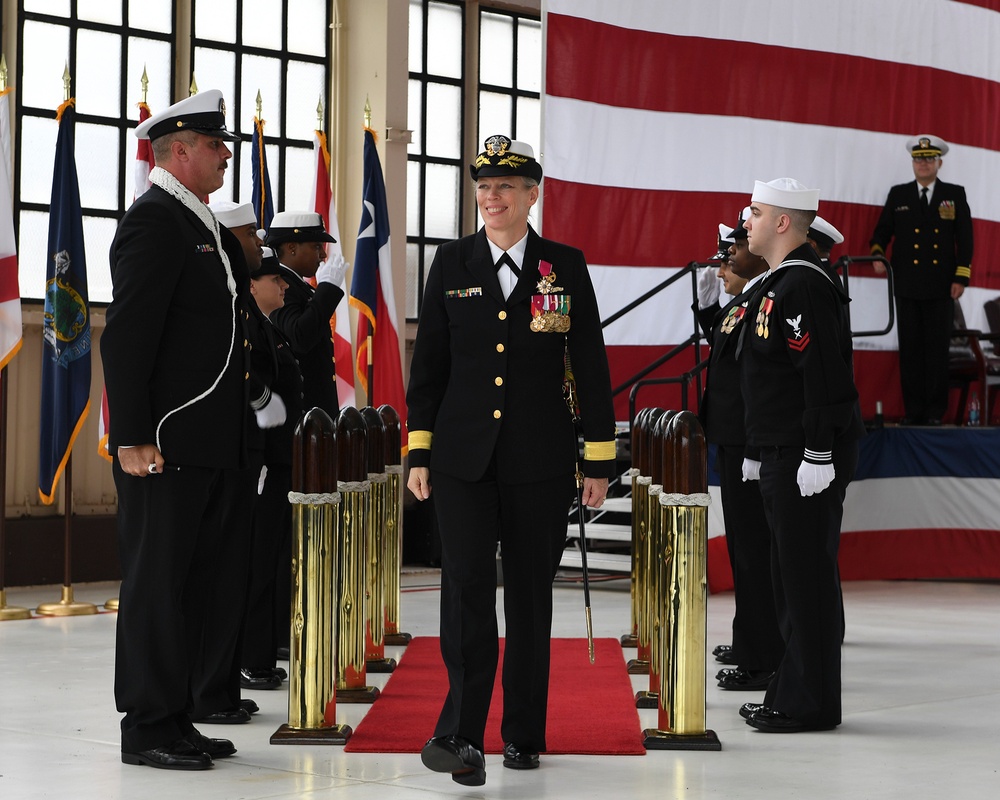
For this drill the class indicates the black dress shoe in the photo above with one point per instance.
(216, 748)
(258, 679)
(280, 673)
(249, 705)
(724, 655)
(768, 720)
(516, 758)
(228, 716)
(180, 754)
(745, 680)
(456, 755)
(747, 710)
(722, 673)
(722, 648)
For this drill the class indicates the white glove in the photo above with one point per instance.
(814, 478)
(709, 287)
(751, 470)
(262, 479)
(332, 270)
(272, 414)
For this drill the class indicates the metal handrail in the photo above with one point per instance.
(846, 262)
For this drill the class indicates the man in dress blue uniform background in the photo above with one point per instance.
(176, 369)
(930, 225)
(491, 434)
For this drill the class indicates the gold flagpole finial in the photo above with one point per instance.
(3, 72)
(67, 81)
(144, 81)
(368, 113)
(260, 106)
(319, 113)
(193, 88)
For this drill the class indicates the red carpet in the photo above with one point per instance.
(591, 706)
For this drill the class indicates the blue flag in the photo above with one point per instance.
(263, 203)
(66, 325)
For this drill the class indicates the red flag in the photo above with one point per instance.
(144, 164)
(340, 322)
(10, 291)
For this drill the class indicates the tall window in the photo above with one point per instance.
(435, 164)
(276, 47)
(505, 85)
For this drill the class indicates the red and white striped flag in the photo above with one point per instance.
(144, 163)
(659, 117)
(340, 324)
(10, 291)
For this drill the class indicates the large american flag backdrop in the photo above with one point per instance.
(658, 115)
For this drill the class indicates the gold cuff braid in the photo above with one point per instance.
(599, 451)
(420, 440)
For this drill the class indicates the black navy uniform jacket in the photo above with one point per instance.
(304, 321)
(722, 408)
(483, 385)
(176, 365)
(932, 248)
(797, 361)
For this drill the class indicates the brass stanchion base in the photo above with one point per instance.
(644, 699)
(111, 605)
(363, 694)
(654, 739)
(380, 664)
(11, 612)
(637, 666)
(398, 639)
(66, 607)
(335, 734)
(629, 640)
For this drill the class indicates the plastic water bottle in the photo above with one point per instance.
(974, 410)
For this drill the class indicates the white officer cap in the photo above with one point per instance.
(204, 112)
(824, 234)
(785, 193)
(926, 145)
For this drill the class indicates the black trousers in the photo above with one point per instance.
(183, 557)
(268, 610)
(529, 521)
(924, 328)
(757, 640)
(805, 539)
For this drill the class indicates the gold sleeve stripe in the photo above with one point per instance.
(420, 440)
(877, 250)
(599, 451)
(963, 272)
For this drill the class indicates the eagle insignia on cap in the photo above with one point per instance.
(497, 145)
(222, 106)
(924, 143)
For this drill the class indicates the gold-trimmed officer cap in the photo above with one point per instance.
(503, 156)
(297, 226)
(926, 145)
(204, 113)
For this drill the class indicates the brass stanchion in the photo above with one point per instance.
(641, 442)
(67, 606)
(6, 612)
(631, 639)
(375, 543)
(393, 527)
(352, 452)
(684, 521)
(111, 605)
(312, 695)
(652, 626)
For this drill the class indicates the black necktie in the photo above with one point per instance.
(506, 259)
(923, 197)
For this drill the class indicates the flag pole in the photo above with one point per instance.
(67, 606)
(370, 338)
(6, 612)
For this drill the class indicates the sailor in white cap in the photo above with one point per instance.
(803, 423)
(175, 369)
(930, 225)
(824, 237)
(299, 239)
